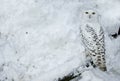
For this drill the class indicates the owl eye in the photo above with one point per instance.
(93, 13)
(86, 12)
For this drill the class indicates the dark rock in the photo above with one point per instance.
(114, 35)
(69, 77)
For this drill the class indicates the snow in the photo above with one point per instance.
(39, 39)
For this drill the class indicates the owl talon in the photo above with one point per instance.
(93, 64)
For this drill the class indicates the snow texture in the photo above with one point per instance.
(40, 41)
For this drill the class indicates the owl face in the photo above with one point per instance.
(90, 15)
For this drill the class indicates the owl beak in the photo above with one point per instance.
(89, 16)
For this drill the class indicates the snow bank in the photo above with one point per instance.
(39, 39)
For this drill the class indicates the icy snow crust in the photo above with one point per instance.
(39, 39)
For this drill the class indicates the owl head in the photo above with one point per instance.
(90, 15)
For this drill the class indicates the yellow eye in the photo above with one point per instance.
(93, 13)
(86, 12)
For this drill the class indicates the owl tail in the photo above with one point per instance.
(99, 61)
(101, 64)
(103, 68)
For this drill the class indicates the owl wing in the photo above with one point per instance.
(100, 41)
(101, 35)
(89, 38)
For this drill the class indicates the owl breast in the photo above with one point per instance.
(90, 34)
(91, 26)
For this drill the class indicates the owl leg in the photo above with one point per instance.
(88, 62)
(88, 59)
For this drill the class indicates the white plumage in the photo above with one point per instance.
(93, 38)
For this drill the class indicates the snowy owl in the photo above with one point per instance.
(92, 36)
